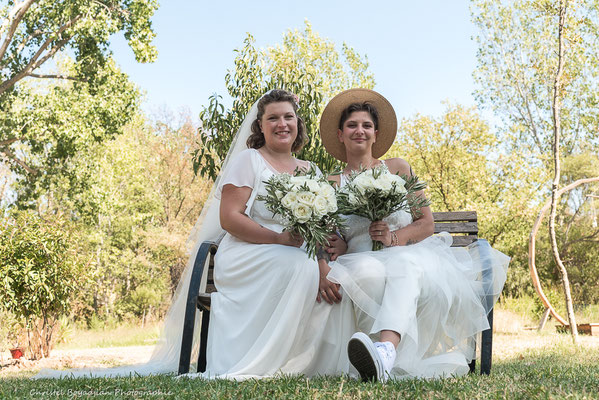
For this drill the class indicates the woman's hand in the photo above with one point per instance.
(337, 247)
(290, 239)
(379, 230)
(327, 290)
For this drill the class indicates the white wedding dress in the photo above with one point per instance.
(430, 293)
(264, 318)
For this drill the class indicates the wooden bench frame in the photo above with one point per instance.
(462, 225)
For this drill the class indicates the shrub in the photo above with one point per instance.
(39, 273)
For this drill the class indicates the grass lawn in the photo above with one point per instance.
(526, 365)
(122, 335)
(555, 371)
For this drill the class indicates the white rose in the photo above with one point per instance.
(302, 212)
(363, 182)
(320, 206)
(326, 190)
(306, 198)
(399, 183)
(332, 204)
(279, 194)
(313, 185)
(361, 175)
(289, 200)
(384, 183)
(332, 199)
(297, 180)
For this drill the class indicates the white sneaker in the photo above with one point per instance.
(387, 353)
(366, 358)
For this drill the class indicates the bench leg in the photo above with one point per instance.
(203, 341)
(487, 347)
(187, 340)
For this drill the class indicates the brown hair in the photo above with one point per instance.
(256, 139)
(354, 107)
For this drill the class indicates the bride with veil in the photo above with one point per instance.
(265, 319)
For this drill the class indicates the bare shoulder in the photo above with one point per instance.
(398, 166)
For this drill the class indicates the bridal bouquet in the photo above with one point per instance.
(377, 193)
(307, 203)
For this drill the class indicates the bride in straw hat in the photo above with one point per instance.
(418, 301)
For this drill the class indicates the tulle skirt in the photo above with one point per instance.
(435, 296)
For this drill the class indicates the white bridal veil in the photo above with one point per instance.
(165, 357)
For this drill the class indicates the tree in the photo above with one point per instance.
(570, 239)
(305, 64)
(57, 132)
(32, 32)
(181, 193)
(551, 102)
(556, 105)
(172, 140)
(40, 272)
(140, 205)
(70, 105)
(516, 69)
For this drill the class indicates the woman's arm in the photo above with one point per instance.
(234, 220)
(421, 228)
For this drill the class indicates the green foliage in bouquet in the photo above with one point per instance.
(307, 204)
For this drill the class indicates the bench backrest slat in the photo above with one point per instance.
(457, 227)
(463, 241)
(452, 216)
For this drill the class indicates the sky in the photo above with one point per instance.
(421, 52)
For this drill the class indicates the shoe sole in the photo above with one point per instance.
(362, 359)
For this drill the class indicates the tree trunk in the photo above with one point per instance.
(556, 108)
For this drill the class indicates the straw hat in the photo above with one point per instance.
(329, 122)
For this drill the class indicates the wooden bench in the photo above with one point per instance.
(461, 225)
